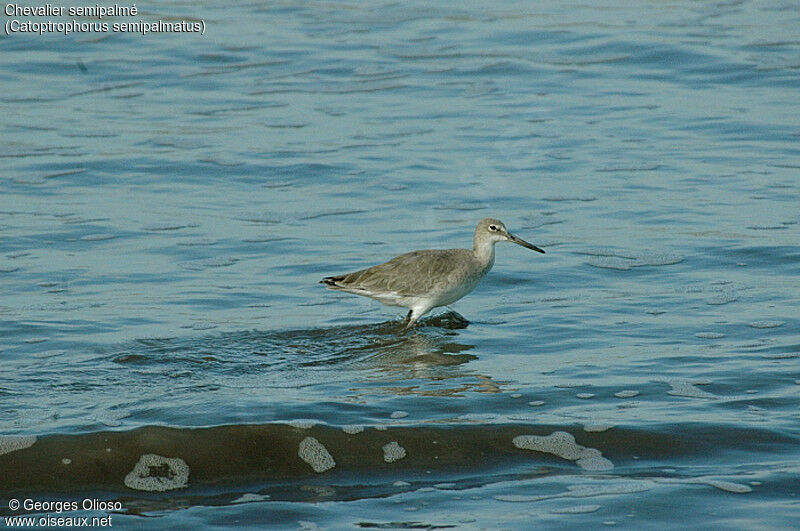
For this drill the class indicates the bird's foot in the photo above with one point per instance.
(408, 323)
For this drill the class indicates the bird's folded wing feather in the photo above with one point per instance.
(408, 274)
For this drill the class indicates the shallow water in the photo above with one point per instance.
(169, 202)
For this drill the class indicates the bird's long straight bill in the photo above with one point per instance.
(520, 241)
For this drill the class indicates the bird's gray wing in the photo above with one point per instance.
(409, 274)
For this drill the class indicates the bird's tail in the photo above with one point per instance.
(332, 281)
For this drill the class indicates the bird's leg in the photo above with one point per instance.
(408, 321)
(412, 319)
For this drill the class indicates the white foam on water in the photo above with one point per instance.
(687, 388)
(109, 417)
(605, 489)
(303, 424)
(352, 429)
(766, 324)
(626, 393)
(536, 403)
(709, 335)
(312, 452)
(585, 396)
(12, 443)
(728, 486)
(155, 473)
(401, 483)
(517, 498)
(398, 414)
(97, 237)
(597, 427)
(617, 488)
(393, 452)
(251, 497)
(577, 509)
(723, 297)
(562, 444)
(558, 443)
(592, 460)
(657, 259)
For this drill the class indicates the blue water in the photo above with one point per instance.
(169, 202)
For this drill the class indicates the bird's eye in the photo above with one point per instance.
(492, 227)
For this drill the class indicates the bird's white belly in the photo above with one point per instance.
(455, 292)
(395, 299)
(430, 300)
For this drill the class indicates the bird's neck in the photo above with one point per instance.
(484, 252)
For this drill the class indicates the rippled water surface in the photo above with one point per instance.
(169, 202)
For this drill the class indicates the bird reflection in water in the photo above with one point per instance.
(429, 356)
